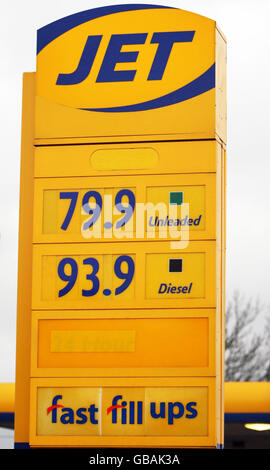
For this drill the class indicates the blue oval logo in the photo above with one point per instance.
(126, 58)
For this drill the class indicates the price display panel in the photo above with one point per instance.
(152, 207)
(149, 274)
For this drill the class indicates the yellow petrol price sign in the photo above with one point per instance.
(120, 331)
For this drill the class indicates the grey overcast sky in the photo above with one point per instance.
(246, 26)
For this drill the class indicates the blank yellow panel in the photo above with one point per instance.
(124, 159)
(174, 157)
(94, 341)
(109, 343)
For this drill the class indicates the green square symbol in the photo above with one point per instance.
(176, 197)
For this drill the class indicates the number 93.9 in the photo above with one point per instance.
(70, 265)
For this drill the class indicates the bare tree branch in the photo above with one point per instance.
(243, 346)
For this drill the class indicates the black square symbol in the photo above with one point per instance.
(176, 265)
